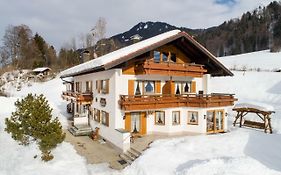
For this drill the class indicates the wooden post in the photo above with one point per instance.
(236, 118)
(269, 124)
(241, 116)
(265, 123)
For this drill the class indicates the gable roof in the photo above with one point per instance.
(124, 54)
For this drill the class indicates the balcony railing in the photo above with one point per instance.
(171, 69)
(78, 96)
(149, 102)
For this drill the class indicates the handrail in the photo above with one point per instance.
(173, 63)
(77, 93)
(190, 95)
(155, 101)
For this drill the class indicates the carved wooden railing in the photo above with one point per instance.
(171, 68)
(144, 102)
(78, 96)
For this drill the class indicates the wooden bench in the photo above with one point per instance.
(253, 124)
(262, 114)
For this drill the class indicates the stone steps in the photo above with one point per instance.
(129, 156)
(80, 130)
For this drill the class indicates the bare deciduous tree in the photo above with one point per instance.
(100, 29)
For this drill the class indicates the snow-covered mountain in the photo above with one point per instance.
(144, 30)
(240, 151)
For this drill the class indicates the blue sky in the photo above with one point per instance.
(58, 21)
(227, 2)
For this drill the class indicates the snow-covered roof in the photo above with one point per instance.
(124, 54)
(255, 105)
(117, 54)
(41, 69)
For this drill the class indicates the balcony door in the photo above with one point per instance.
(135, 122)
(215, 120)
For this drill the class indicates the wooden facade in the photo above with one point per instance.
(150, 102)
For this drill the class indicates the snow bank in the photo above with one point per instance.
(52, 90)
(263, 60)
(16, 159)
(254, 87)
(212, 154)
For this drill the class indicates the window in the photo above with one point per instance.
(102, 86)
(78, 86)
(165, 56)
(97, 85)
(159, 118)
(138, 89)
(178, 88)
(176, 117)
(192, 118)
(156, 56)
(149, 87)
(104, 118)
(77, 108)
(89, 86)
(97, 115)
(173, 57)
(186, 87)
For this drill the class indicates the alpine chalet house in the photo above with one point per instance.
(158, 85)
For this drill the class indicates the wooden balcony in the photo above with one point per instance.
(152, 102)
(170, 69)
(77, 96)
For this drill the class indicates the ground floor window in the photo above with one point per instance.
(159, 118)
(97, 115)
(176, 117)
(192, 118)
(104, 118)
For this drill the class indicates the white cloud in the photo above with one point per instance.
(60, 20)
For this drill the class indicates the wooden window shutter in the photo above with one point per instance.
(131, 85)
(158, 87)
(99, 86)
(98, 116)
(107, 86)
(107, 119)
(172, 85)
(193, 87)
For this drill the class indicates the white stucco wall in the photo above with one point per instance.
(80, 120)
(118, 85)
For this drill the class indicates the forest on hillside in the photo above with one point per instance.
(257, 30)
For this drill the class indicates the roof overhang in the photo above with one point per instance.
(221, 70)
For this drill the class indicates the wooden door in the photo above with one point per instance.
(215, 121)
(135, 122)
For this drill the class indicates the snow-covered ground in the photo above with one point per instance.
(240, 151)
(262, 60)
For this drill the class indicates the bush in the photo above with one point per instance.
(32, 122)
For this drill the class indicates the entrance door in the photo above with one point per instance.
(135, 122)
(215, 121)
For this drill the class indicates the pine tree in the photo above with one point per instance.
(32, 122)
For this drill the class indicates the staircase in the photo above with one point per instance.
(80, 130)
(129, 156)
